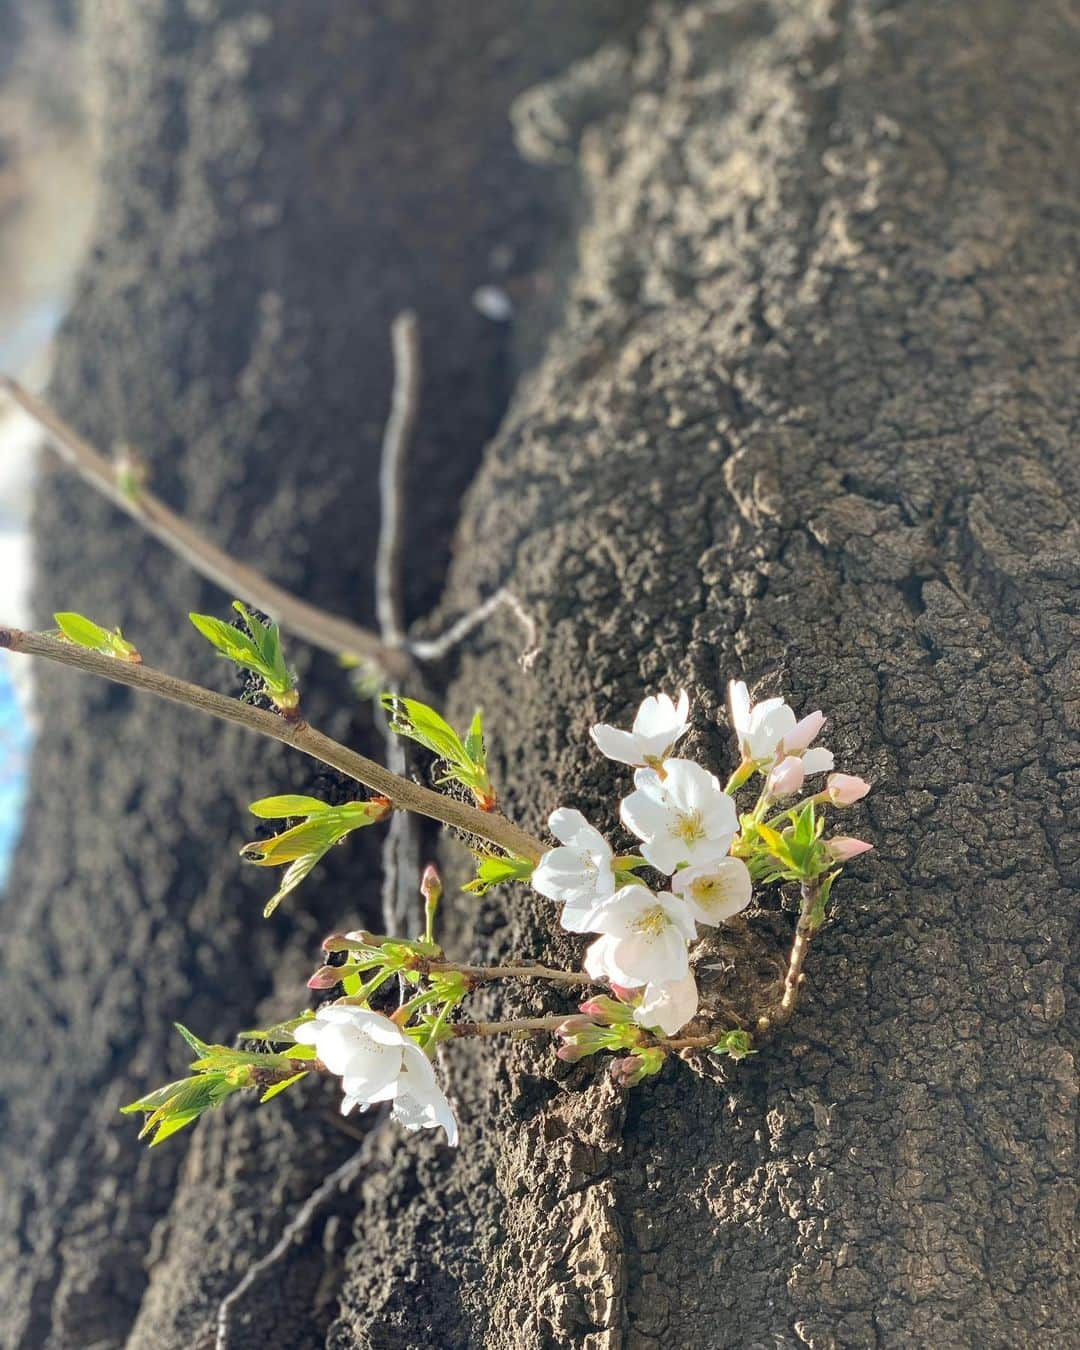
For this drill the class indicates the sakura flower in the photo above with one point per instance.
(714, 893)
(845, 789)
(684, 817)
(643, 938)
(378, 1062)
(579, 873)
(843, 848)
(668, 1006)
(770, 730)
(658, 725)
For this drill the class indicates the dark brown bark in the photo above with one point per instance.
(806, 418)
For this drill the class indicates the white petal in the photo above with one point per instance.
(647, 957)
(563, 874)
(679, 912)
(717, 892)
(596, 958)
(565, 823)
(665, 852)
(739, 699)
(668, 1006)
(818, 760)
(618, 914)
(618, 745)
(644, 815)
(656, 717)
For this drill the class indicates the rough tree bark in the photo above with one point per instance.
(805, 416)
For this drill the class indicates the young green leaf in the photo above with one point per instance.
(83, 632)
(302, 846)
(275, 1088)
(466, 761)
(493, 870)
(289, 804)
(258, 650)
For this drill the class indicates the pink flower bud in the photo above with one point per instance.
(624, 994)
(845, 789)
(804, 732)
(336, 942)
(431, 884)
(326, 977)
(573, 1025)
(843, 848)
(787, 777)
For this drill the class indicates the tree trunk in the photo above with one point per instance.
(804, 417)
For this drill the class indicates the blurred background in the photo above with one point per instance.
(47, 181)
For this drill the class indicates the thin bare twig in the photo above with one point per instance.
(402, 793)
(434, 649)
(528, 972)
(389, 604)
(401, 847)
(328, 631)
(528, 1024)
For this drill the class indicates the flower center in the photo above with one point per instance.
(707, 891)
(652, 922)
(688, 827)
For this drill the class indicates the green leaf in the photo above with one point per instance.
(493, 870)
(467, 763)
(289, 882)
(280, 1087)
(474, 741)
(200, 1047)
(83, 632)
(170, 1125)
(289, 804)
(259, 650)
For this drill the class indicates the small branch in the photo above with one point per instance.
(328, 631)
(404, 795)
(389, 605)
(434, 649)
(804, 932)
(530, 972)
(528, 1024)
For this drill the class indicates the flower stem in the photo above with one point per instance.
(527, 1024)
(528, 972)
(328, 631)
(804, 932)
(403, 794)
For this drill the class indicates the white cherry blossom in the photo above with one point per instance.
(769, 730)
(683, 817)
(378, 1062)
(717, 892)
(579, 873)
(668, 1005)
(643, 938)
(658, 725)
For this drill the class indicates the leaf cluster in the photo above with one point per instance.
(465, 760)
(302, 846)
(258, 650)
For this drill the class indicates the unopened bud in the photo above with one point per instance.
(431, 884)
(605, 1009)
(844, 848)
(325, 977)
(845, 789)
(787, 777)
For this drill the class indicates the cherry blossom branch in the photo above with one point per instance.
(528, 972)
(402, 793)
(327, 631)
(804, 932)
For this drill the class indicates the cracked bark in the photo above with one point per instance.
(805, 417)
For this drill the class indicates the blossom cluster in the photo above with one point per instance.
(689, 831)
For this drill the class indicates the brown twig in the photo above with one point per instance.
(527, 1024)
(528, 972)
(405, 795)
(328, 631)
